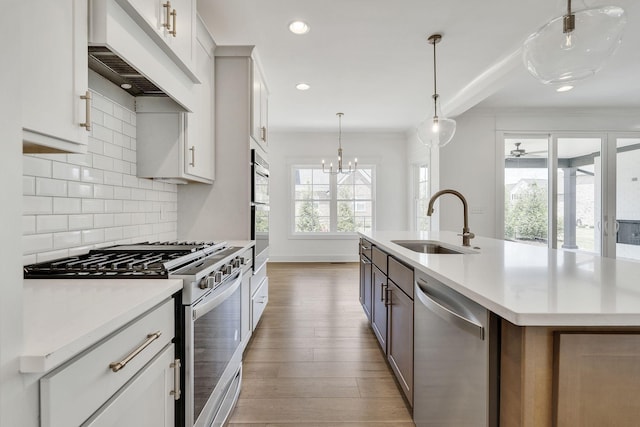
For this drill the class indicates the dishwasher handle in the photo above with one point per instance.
(468, 325)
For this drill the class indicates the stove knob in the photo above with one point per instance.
(217, 277)
(204, 283)
(236, 263)
(211, 282)
(227, 269)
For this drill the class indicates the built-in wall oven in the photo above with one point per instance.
(259, 208)
(208, 312)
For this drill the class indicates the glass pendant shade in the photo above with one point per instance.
(436, 131)
(554, 56)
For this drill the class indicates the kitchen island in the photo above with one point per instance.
(569, 324)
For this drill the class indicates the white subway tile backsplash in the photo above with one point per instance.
(95, 146)
(35, 243)
(50, 187)
(50, 256)
(92, 206)
(75, 202)
(80, 189)
(112, 123)
(51, 223)
(102, 162)
(66, 171)
(62, 205)
(93, 236)
(35, 166)
(80, 222)
(28, 185)
(103, 220)
(113, 205)
(92, 175)
(37, 205)
(67, 240)
(28, 224)
(113, 178)
(103, 191)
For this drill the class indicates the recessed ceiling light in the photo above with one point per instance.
(299, 27)
(125, 86)
(565, 88)
(302, 86)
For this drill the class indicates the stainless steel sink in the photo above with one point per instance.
(432, 247)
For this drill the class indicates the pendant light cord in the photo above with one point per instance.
(339, 130)
(435, 88)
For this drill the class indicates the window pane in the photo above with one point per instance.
(346, 221)
(320, 177)
(627, 206)
(345, 192)
(526, 188)
(363, 192)
(303, 176)
(303, 192)
(321, 192)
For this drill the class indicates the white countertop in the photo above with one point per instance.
(529, 285)
(64, 317)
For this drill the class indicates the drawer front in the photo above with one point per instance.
(401, 275)
(365, 248)
(71, 393)
(259, 303)
(257, 278)
(379, 259)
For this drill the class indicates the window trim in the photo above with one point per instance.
(331, 235)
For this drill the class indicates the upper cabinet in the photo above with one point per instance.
(172, 23)
(173, 144)
(56, 102)
(260, 107)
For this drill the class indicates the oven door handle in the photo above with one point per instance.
(217, 297)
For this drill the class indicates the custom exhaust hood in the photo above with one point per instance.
(125, 50)
(115, 69)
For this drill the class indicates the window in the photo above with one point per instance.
(324, 203)
(422, 197)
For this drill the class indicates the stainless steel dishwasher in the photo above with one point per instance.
(455, 359)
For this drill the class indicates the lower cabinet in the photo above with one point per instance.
(127, 379)
(365, 285)
(379, 310)
(400, 337)
(146, 401)
(259, 302)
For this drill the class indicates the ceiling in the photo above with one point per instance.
(370, 58)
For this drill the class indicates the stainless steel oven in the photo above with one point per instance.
(259, 209)
(259, 179)
(213, 353)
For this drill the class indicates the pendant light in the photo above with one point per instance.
(437, 130)
(340, 170)
(574, 46)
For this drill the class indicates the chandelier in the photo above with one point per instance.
(574, 46)
(437, 130)
(340, 169)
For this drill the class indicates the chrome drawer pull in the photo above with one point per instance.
(167, 21)
(87, 123)
(116, 366)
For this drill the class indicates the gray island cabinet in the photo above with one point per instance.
(567, 325)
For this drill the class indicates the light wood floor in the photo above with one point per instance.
(313, 360)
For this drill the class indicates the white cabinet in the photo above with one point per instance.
(259, 302)
(173, 144)
(171, 23)
(54, 75)
(146, 401)
(259, 107)
(134, 365)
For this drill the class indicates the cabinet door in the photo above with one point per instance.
(199, 149)
(245, 309)
(379, 309)
(54, 75)
(264, 113)
(365, 285)
(400, 338)
(145, 401)
(255, 104)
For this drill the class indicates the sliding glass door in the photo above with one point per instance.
(574, 191)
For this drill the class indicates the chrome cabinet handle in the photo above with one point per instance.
(174, 31)
(116, 366)
(383, 291)
(176, 379)
(365, 261)
(193, 156)
(388, 294)
(87, 123)
(263, 133)
(167, 20)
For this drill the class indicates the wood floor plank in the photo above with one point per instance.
(313, 360)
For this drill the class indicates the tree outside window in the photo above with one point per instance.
(326, 203)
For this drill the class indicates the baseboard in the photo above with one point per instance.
(315, 258)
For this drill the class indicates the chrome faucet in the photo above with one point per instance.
(467, 235)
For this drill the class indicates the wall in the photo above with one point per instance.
(74, 202)
(13, 405)
(470, 162)
(387, 151)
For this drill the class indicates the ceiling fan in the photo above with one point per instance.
(519, 152)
